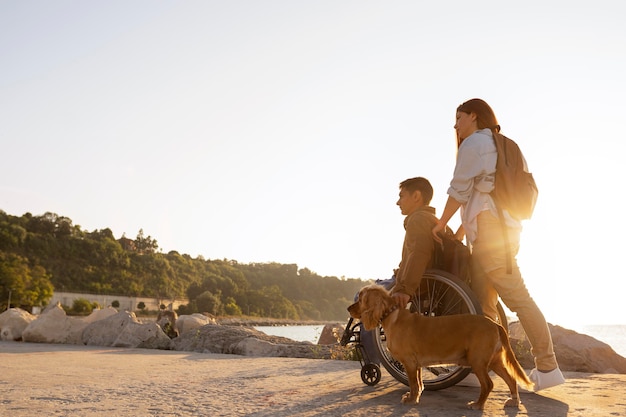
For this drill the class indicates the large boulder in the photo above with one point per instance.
(331, 334)
(124, 330)
(574, 351)
(54, 326)
(13, 322)
(188, 323)
(246, 341)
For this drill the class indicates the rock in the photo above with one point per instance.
(187, 323)
(167, 321)
(13, 322)
(124, 330)
(246, 341)
(574, 351)
(100, 314)
(54, 326)
(331, 333)
(140, 335)
(251, 346)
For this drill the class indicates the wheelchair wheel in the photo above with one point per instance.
(440, 294)
(370, 374)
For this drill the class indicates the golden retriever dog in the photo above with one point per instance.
(418, 341)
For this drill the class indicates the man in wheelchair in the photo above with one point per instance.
(417, 250)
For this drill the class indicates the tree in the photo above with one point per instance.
(141, 305)
(231, 308)
(28, 286)
(209, 303)
(145, 244)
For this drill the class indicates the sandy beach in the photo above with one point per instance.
(69, 380)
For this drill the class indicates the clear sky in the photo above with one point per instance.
(278, 131)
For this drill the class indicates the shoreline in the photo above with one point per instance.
(260, 321)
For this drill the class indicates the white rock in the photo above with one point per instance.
(124, 330)
(187, 323)
(54, 326)
(13, 322)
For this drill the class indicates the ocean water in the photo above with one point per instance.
(297, 333)
(613, 335)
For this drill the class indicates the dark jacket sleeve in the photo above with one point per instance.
(417, 252)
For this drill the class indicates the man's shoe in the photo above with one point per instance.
(543, 380)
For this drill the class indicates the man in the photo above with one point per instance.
(417, 250)
(419, 245)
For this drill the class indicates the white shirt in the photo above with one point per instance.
(473, 180)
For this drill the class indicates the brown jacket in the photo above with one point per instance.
(417, 251)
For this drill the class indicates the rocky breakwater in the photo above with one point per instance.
(108, 327)
(247, 341)
(199, 333)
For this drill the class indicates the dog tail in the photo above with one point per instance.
(511, 361)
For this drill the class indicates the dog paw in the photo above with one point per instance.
(512, 402)
(473, 405)
(407, 399)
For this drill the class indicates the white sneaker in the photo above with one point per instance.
(543, 380)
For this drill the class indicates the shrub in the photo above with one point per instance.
(82, 306)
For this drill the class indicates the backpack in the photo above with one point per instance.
(515, 189)
(452, 256)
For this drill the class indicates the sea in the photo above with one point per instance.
(613, 335)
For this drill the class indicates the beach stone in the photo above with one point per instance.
(246, 341)
(124, 330)
(54, 326)
(330, 334)
(143, 335)
(187, 323)
(13, 322)
(100, 314)
(574, 351)
(252, 346)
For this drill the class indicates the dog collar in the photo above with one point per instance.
(391, 310)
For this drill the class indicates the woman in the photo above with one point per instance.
(469, 190)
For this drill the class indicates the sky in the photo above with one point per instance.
(278, 131)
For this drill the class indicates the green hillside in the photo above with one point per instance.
(40, 254)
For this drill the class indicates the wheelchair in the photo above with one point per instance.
(440, 294)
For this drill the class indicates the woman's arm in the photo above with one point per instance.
(452, 206)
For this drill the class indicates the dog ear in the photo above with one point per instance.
(373, 307)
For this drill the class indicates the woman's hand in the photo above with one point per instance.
(438, 228)
(460, 233)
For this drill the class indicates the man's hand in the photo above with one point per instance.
(401, 299)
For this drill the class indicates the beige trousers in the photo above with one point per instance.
(490, 279)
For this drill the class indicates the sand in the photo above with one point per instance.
(69, 380)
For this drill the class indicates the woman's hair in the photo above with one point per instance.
(485, 117)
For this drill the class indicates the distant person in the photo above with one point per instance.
(471, 184)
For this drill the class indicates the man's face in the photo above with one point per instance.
(409, 201)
